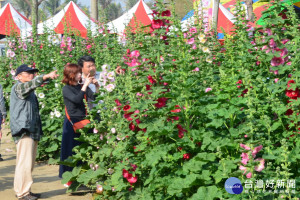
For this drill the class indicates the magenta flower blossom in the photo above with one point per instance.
(276, 80)
(135, 53)
(276, 61)
(243, 169)
(272, 43)
(208, 89)
(249, 175)
(284, 52)
(245, 147)
(245, 158)
(256, 150)
(191, 41)
(261, 165)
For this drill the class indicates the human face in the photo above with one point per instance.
(88, 68)
(26, 76)
(78, 77)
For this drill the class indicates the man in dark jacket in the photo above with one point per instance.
(25, 125)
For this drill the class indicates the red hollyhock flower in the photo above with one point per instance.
(161, 102)
(289, 83)
(128, 116)
(157, 24)
(118, 102)
(181, 131)
(132, 126)
(132, 179)
(126, 108)
(133, 167)
(289, 112)
(292, 94)
(125, 173)
(166, 13)
(151, 80)
(276, 61)
(176, 110)
(239, 82)
(186, 156)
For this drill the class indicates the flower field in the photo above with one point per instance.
(187, 114)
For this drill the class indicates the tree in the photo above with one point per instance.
(250, 14)
(182, 7)
(22, 6)
(114, 11)
(130, 3)
(94, 9)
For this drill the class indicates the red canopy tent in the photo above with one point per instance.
(12, 22)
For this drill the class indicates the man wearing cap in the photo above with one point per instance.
(25, 125)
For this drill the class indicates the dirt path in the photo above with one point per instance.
(45, 177)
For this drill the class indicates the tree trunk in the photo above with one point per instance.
(34, 16)
(250, 14)
(215, 14)
(94, 9)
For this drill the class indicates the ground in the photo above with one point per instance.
(45, 177)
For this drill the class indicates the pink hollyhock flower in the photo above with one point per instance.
(88, 46)
(157, 24)
(284, 52)
(128, 116)
(95, 130)
(181, 131)
(249, 175)
(208, 89)
(261, 165)
(289, 63)
(166, 13)
(256, 150)
(191, 41)
(186, 156)
(193, 30)
(268, 31)
(133, 63)
(245, 136)
(276, 61)
(245, 147)
(272, 43)
(61, 52)
(194, 46)
(239, 82)
(118, 102)
(243, 169)
(135, 53)
(63, 44)
(245, 158)
(132, 179)
(284, 41)
(139, 94)
(196, 69)
(276, 80)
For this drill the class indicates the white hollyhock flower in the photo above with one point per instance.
(105, 67)
(110, 87)
(41, 95)
(111, 75)
(57, 114)
(113, 130)
(208, 59)
(205, 49)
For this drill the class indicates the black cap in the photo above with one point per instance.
(25, 68)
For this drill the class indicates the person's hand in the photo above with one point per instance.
(86, 83)
(119, 70)
(51, 75)
(95, 82)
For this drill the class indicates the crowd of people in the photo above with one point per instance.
(81, 84)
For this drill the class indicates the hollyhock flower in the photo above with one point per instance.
(132, 179)
(201, 37)
(243, 169)
(176, 110)
(125, 173)
(133, 167)
(88, 46)
(166, 13)
(128, 116)
(113, 130)
(245, 136)
(157, 24)
(186, 156)
(12, 72)
(208, 89)
(276, 61)
(41, 95)
(10, 53)
(25, 47)
(105, 67)
(181, 131)
(249, 175)
(118, 102)
(256, 150)
(276, 80)
(208, 59)
(161, 102)
(61, 52)
(151, 80)
(196, 69)
(132, 126)
(289, 112)
(110, 87)
(191, 41)
(261, 165)
(245, 147)
(139, 94)
(289, 83)
(284, 52)
(134, 53)
(272, 43)
(95, 130)
(293, 94)
(110, 171)
(284, 41)
(289, 63)
(239, 82)
(205, 49)
(134, 62)
(268, 31)
(245, 158)
(126, 107)
(193, 30)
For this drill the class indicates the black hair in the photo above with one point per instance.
(85, 59)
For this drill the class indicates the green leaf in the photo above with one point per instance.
(207, 193)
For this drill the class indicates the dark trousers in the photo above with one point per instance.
(67, 144)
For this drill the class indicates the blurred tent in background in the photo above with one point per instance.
(12, 22)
